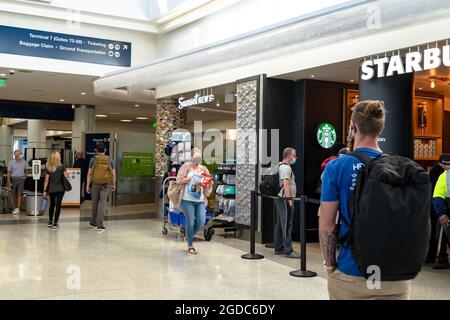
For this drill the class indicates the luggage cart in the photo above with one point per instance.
(174, 219)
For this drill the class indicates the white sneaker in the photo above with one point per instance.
(16, 211)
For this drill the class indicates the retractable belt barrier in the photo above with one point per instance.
(302, 272)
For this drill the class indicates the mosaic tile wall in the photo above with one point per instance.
(168, 118)
(247, 101)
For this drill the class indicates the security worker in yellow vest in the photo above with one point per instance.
(441, 203)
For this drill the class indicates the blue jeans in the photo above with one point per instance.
(195, 218)
(283, 228)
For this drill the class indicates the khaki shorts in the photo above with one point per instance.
(345, 287)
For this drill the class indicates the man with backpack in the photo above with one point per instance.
(102, 174)
(384, 223)
(285, 208)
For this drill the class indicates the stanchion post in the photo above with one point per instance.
(303, 273)
(253, 208)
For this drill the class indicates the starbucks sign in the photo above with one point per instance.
(326, 135)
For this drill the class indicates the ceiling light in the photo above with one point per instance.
(433, 84)
(203, 110)
(83, 93)
(101, 116)
(141, 118)
(420, 89)
(136, 106)
(313, 76)
(61, 100)
(218, 105)
(126, 120)
(352, 80)
(114, 113)
(2, 74)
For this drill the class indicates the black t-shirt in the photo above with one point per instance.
(55, 183)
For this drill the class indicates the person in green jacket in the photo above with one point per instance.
(441, 203)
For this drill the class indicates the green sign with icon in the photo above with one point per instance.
(326, 135)
(138, 164)
(2, 83)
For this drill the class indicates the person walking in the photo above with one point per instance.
(16, 179)
(194, 196)
(441, 204)
(81, 163)
(285, 208)
(346, 274)
(53, 186)
(102, 174)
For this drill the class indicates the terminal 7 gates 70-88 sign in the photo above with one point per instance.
(50, 45)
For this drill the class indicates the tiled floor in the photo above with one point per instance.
(132, 260)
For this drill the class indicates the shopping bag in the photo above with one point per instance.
(44, 204)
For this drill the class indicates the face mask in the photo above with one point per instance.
(197, 159)
(351, 138)
(294, 161)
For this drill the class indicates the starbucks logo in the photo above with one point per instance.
(326, 135)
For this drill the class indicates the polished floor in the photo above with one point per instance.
(133, 260)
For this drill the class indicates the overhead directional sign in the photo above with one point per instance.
(43, 44)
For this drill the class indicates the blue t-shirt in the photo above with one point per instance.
(338, 182)
(91, 163)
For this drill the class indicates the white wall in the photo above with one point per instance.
(221, 125)
(143, 45)
(244, 16)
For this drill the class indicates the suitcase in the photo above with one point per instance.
(5, 204)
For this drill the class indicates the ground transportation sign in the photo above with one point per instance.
(43, 44)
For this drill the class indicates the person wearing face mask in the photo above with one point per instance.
(285, 208)
(194, 197)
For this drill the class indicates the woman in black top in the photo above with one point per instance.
(54, 187)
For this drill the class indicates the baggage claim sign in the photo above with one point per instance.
(50, 45)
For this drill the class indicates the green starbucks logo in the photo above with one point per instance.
(326, 135)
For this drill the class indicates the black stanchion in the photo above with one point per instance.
(253, 208)
(303, 273)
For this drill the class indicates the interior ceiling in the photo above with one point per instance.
(38, 86)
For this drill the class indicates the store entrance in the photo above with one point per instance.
(211, 120)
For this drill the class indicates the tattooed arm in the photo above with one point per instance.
(328, 233)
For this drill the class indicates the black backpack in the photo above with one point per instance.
(390, 217)
(270, 183)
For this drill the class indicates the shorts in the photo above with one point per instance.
(18, 185)
(345, 287)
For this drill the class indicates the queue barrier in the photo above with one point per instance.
(302, 272)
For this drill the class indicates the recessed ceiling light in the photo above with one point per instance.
(83, 93)
(218, 105)
(420, 89)
(136, 106)
(203, 110)
(141, 118)
(313, 76)
(2, 75)
(352, 80)
(61, 100)
(101, 116)
(126, 121)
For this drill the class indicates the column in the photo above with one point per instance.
(6, 141)
(37, 139)
(397, 92)
(168, 118)
(84, 122)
